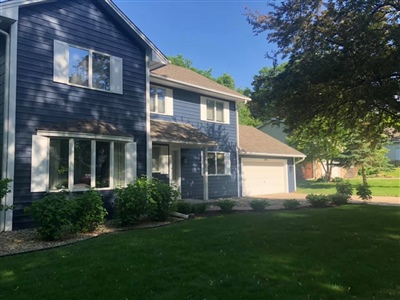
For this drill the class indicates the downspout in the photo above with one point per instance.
(295, 175)
(5, 128)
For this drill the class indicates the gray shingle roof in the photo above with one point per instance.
(173, 72)
(252, 140)
(180, 133)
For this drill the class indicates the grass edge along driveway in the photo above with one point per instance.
(348, 252)
(379, 186)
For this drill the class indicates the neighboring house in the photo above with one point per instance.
(88, 100)
(307, 170)
(394, 149)
(267, 164)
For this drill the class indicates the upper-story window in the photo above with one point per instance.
(87, 68)
(214, 110)
(161, 100)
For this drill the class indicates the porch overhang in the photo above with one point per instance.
(180, 134)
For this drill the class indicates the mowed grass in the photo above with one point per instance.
(378, 186)
(348, 252)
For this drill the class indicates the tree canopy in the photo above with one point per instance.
(343, 62)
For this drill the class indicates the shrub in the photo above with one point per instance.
(4, 190)
(199, 208)
(54, 215)
(90, 212)
(161, 198)
(337, 179)
(364, 192)
(291, 204)
(317, 200)
(184, 207)
(339, 198)
(259, 205)
(344, 187)
(131, 202)
(226, 205)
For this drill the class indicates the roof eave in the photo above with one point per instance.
(157, 58)
(243, 153)
(210, 144)
(196, 88)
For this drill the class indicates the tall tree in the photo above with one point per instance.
(343, 61)
(226, 80)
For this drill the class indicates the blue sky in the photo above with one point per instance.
(210, 33)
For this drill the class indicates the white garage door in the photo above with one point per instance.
(261, 176)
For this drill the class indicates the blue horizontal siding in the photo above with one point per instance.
(42, 102)
(187, 110)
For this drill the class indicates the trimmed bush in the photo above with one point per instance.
(317, 200)
(364, 192)
(183, 207)
(90, 212)
(339, 199)
(344, 187)
(162, 197)
(131, 202)
(4, 190)
(199, 208)
(259, 205)
(226, 205)
(54, 215)
(291, 204)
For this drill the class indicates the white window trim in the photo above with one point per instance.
(43, 162)
(169, 101)
(203, 110)
(227, 163)
(61, 68)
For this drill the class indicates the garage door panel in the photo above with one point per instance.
(263, 177)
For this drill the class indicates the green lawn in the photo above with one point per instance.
(378, 186)
(348, 252)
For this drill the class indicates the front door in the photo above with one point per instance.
(176, 168)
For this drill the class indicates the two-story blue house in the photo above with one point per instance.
(86, 99)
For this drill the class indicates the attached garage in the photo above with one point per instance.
(264, 176)
(267, 165)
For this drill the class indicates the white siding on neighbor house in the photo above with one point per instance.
(264, 176)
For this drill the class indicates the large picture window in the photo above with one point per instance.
(77, 164)
(87, 68)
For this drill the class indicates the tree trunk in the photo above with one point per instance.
(364, 175)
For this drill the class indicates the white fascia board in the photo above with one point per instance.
(195, 88)
(157, 55)
(271, 154)
(92, 136)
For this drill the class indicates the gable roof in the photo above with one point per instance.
(176, 76)
(179, 133)
(157, 58)
(255, 142)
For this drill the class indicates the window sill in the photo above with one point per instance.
(217, 122)
(161, 114)
(88, 88)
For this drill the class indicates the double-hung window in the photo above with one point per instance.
(77, 163)
(87, 68)
(219, 163)
(160, 159)
(161, 100)
(214, 110)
